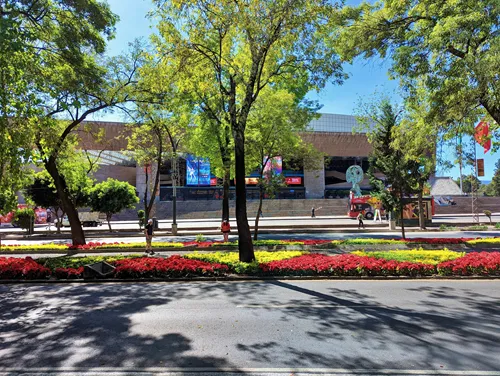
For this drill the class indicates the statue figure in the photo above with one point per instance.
(354, 175)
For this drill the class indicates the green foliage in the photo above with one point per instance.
(497, 225)
(24, 218)
(495, 182)
(444, 227)
(42, 192)
(477, 228)
(8, 201)
(141, 215)
(75, 262)
(469, 181)
(200, 238)
(112, 196)
(488, 214)
(450, 47)
(414, 255)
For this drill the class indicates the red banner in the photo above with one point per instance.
(293, 180)
(213, 181)
(481, 135)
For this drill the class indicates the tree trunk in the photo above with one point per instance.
(402, 219)
(108, 218)
(256, 227)
(146, 189)
(493, 110)
(245, 245)
(77, 234)
(225, 193)
(421, 217)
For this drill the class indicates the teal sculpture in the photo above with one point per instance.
(354, 175)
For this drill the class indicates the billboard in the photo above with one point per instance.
(274, 164)
(191, 170)
(203, 171)
(197, 171)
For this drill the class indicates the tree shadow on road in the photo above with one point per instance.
(92, 326)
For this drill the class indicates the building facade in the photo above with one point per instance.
(340, 137)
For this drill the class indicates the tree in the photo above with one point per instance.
(388, 160)
(469, 181)
(272, 132)
(111, 197)
(416, 137)
(234, 50)
(495, 182)
(43, 194)
(451, 47)
(63, 72)
(156, 137)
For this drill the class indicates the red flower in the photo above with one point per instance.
(22, 268)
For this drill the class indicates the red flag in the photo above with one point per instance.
(481, 134)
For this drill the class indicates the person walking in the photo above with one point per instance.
(313, 211)
(360, 218)
(49, 218)
(225, 227)
(377, 214)
(148, 231)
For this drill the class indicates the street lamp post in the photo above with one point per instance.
(174, 194)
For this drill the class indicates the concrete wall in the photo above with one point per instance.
(122, 173)
(314, 182)
(464, 205)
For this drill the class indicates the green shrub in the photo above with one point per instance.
(200, 238)
(477, 228)
(497, 226)
(488, 214)
(75, 262)
(24, 218)
(141, 214)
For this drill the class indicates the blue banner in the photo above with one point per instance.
(204, 171)
(197, 171)
(191, 170)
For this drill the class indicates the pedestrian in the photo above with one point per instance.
(148, 231)
(225, 227)
(49, 218)
(313, 211)
(360, 219)
(377, 214)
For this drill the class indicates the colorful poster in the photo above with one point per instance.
(197, 171)
(204, 171)
(273, 164)
(192, 170)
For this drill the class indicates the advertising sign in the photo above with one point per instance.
(252, 181)
(213, 181)
(197, 171)
(293, 180)
(192, 170)
(480, 167)
(204, 171)
(273, 164)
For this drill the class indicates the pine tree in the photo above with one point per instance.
(495, 182)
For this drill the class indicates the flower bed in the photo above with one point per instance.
(215, 244)
(172, 267)
(231, 259)
(345, 265)
(414, 255)
(271, 264)
(475, 263)
(22, 268)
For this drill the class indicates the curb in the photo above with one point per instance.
(249, 278)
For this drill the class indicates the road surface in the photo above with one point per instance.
(357, 327)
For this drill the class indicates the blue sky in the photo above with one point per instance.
(366, 76)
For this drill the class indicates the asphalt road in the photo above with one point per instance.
(268, 328)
